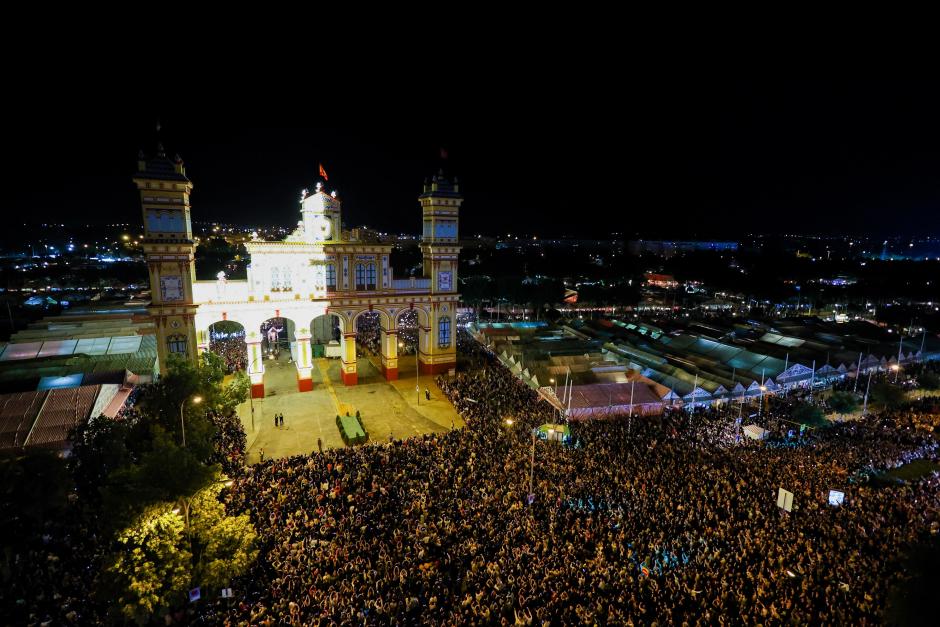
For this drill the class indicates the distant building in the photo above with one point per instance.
(664, 248)
(665, 281)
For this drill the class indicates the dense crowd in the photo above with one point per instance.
(368, 333)
(232, 350)
(670, 520)
(667, 520)
(229, 442)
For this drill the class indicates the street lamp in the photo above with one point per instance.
(532, 463)
(896, 369)
(196, 400)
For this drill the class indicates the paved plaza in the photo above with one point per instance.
(386, 407)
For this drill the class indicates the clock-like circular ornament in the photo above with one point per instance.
(322, 228)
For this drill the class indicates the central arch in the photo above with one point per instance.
(226, 338)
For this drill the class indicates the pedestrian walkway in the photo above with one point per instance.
(386, 408)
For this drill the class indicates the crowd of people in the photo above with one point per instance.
(369, 338)
(670, 520)
(231, 348)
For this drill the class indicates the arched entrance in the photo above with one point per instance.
(274, 341)
(277, 334)
(326, 335)
(377, 338)
(227, 340)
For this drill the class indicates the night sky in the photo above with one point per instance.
(665, 160)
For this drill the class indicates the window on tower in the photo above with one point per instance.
(331, 276)
(176, 344)
(443, 332)
(370, 276)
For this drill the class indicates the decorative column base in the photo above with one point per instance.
(350, 378)
(304, 385)
(391, 374)
(257, 390)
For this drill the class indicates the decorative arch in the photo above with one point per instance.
(226, 338)
(423, 316)
(385, 320)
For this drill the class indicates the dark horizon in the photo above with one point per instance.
(809, 158)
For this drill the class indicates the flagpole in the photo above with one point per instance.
(812, 380)
(786, 365)
(858, 373)
(733, 370)
(760, 404)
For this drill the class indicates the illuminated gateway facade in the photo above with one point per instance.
(310, 276)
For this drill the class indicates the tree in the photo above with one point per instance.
(234, 394)
(166, 472)
(183, 381)
(843, 402)
(34, 490)
(927, 380)
(808, 414)
(887, 395)
(150, 571)
(223, 547)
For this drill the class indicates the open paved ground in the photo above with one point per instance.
(386, 408)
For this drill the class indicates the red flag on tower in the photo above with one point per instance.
(323, 173)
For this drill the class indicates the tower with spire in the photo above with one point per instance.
(169, 249)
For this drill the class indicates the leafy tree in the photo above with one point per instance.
(149, 572)
(33, 489)
(102, 446)
(808, 414)
(887, 395)
(183, 382)
(166, 472)
(223, 547)
(843, 402)
(234, 394)
(928, 380)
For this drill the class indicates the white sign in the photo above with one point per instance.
(836, 497)
(784, 500)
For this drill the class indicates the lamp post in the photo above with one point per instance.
(896, 369)
(867, 386)
(532, 463)
(196, 400)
